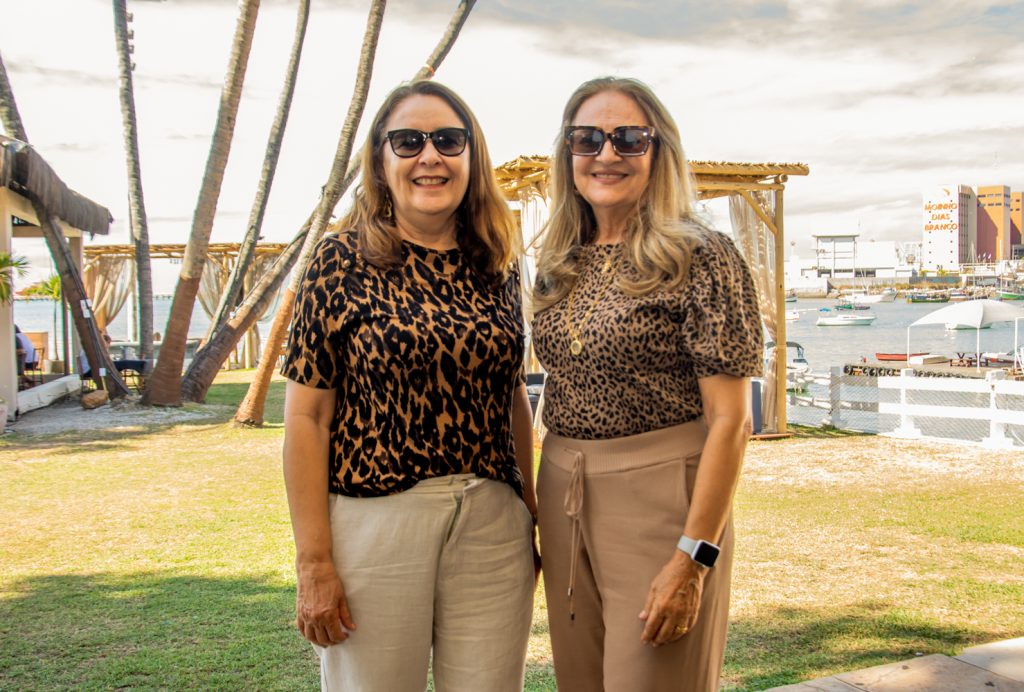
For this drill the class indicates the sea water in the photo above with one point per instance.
(823, 346)
(37, 316)
(828, 346)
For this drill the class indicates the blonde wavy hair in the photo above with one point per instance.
(486, 231)
(659, 237)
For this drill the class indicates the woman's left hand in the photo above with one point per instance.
(673, 601)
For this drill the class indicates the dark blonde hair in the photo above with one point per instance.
(658, 238)
(486, 232)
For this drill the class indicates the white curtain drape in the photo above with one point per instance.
(757, 244)
(108, 282)
(215, 277)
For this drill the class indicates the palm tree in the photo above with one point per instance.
(250, 411)
(247, 250)
(10, 266)
(164, 386)
(332, 192)
(51, 289)
(228, 324)
(136, 203)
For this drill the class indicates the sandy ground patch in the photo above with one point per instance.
(873, 460)
(70, 416)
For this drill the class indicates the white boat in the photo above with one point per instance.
(796, 365)
(845, 320)
(887, 295)
(792, 315)
(951, 326)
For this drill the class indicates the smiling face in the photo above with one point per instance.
(427, 188)
(610, 183)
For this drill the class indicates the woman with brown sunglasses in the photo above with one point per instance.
(647, 324)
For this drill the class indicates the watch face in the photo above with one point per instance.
(705, 554)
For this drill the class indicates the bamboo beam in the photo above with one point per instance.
(760, 212)
(177, 251)
(735, 186)
(725, 168)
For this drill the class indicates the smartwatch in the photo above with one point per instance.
(701, 552)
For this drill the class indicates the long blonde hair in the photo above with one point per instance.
(658, 239)
(486, 232)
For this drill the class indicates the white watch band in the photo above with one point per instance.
(687, 545)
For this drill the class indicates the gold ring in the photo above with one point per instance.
(681, 630)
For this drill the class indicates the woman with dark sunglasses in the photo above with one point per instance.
(408, 441)
(648, 326)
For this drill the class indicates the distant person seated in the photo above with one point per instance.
(84, 367)
(26, 356)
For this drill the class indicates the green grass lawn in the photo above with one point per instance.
(161, 557)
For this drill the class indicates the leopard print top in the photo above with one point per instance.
(642, 356)
(424, 357)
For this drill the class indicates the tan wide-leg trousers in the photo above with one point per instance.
(611, 512)
(445, 566)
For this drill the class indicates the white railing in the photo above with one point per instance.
(986, 411)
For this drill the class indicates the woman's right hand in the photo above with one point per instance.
(321, 608)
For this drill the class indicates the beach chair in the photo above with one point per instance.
(34, 371)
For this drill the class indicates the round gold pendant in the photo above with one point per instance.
(576, 347)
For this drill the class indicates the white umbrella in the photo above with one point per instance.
(973, 313)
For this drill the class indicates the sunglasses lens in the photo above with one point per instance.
(585, 141)
(450, 141)
(406, 143)
(630, 141)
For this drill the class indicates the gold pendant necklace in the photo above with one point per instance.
(575, 343)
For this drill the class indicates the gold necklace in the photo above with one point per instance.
(576, 344)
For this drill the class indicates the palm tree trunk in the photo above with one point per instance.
(73, 290)
(72, 287)
(136, 202)
(206, 365)
(164, 387)
(229, 299)
(250, 411)
(447, 41)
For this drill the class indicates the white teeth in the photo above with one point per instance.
(429, 181)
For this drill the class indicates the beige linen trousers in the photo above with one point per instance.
(438, 576)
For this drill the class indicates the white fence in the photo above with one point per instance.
(986, 411)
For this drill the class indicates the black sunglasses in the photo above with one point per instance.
(627, 140)
(449, 141)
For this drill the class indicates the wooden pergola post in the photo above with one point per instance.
(780, 313)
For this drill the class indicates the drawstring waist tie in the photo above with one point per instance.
(582, 458)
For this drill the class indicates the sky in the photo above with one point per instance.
(882, 99)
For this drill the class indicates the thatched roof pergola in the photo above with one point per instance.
(529, 175)
(177, 250)
(526, 177)
(24, 171)
(27, 180)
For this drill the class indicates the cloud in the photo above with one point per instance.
(965, 150)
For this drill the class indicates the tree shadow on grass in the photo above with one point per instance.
(152, 630)
(790, 645)
(77, 441)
